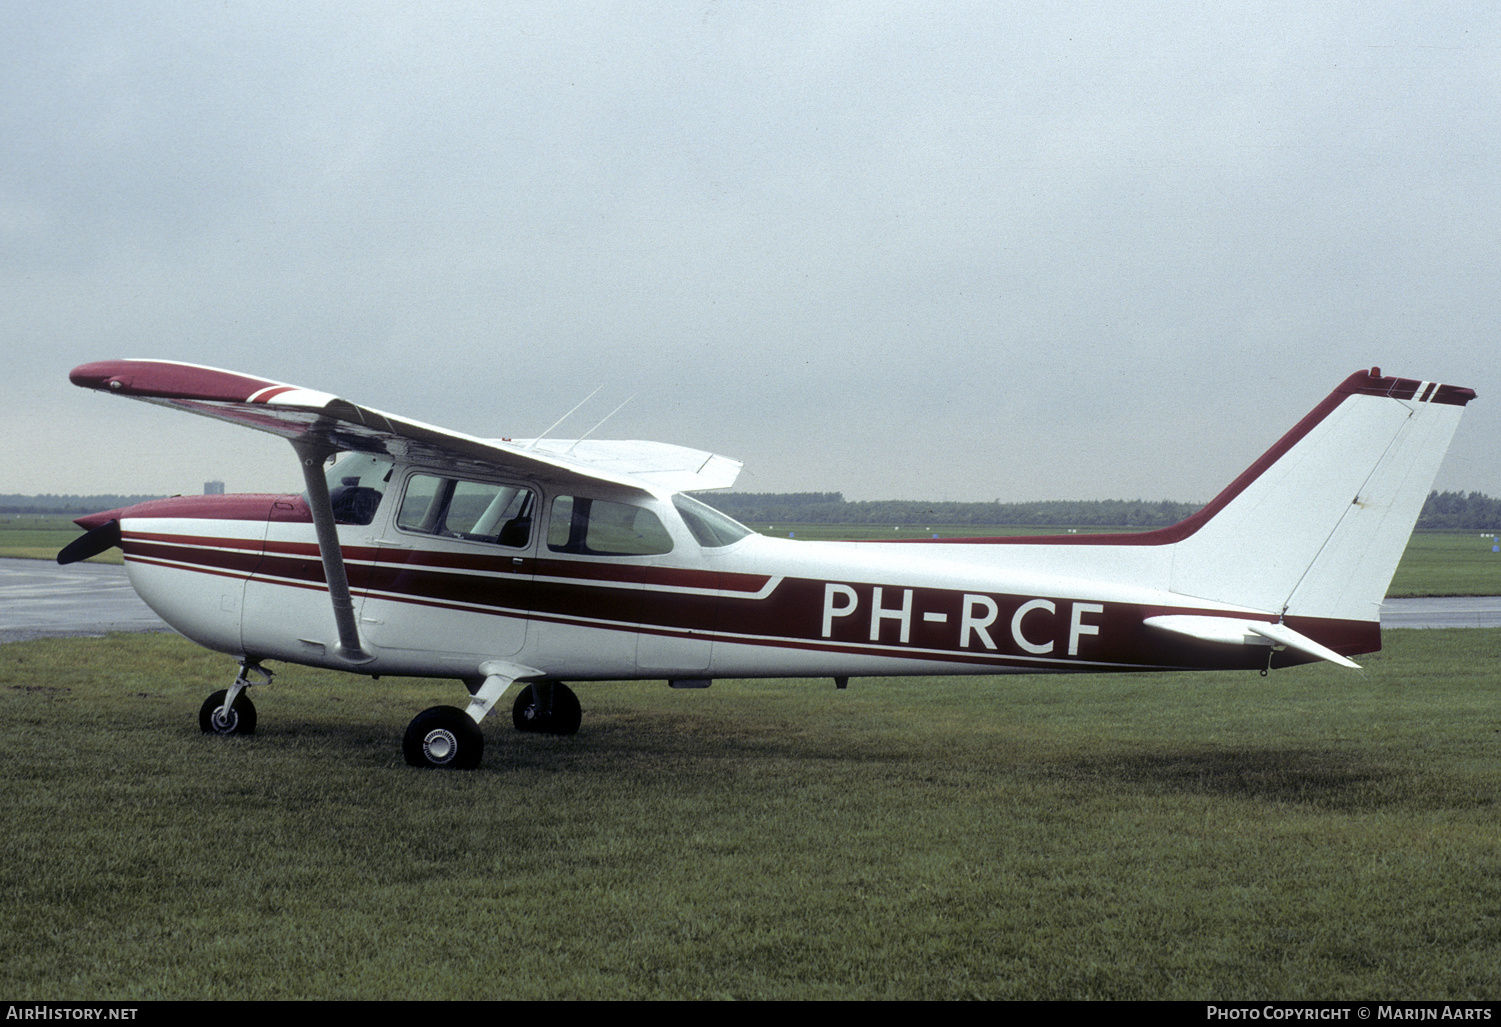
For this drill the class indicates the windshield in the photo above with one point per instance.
(710, 527)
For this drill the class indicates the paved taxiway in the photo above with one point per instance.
(39, 599)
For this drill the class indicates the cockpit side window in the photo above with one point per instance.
(598, 527)
(472, 510)
(356, 484)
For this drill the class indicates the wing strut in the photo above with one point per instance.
(312, 457)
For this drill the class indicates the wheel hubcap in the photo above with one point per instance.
(439, 746)
(225, 719)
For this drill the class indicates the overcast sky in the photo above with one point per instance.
(899, 250)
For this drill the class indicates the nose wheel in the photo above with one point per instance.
(229, 711)
(218, 717)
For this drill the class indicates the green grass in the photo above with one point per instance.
(1314, 834)
(34, 537)
(1442, 563)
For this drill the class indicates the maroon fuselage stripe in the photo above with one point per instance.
(791, 615)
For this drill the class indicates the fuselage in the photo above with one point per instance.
(242, 574)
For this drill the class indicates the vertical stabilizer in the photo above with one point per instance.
(1317, 526)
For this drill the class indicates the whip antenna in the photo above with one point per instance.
(565, 417)
(602, 420)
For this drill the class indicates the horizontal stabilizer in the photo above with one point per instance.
(1237, 631)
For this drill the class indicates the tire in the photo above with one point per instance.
(443, 738)
(214, 719)
(561, 717)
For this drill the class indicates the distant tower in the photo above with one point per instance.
(213, 488)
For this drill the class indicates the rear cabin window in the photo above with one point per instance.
(597, 527)
(472, 510)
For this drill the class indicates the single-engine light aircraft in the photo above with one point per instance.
(501, 562)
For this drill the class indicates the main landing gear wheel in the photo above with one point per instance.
(443, 736)
(238, 719)
(555, 711)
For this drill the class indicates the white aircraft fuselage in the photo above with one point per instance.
(242, 575)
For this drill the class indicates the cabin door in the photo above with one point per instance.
(453, 570)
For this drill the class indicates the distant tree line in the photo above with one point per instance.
(832, 508)
(1472, 510)
(1443, 510)
(51, 504)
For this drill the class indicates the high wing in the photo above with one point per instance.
(325, 421)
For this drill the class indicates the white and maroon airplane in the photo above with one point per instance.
(430, 553)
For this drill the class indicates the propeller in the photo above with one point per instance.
(91, 544)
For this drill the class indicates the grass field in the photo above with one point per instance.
(39, 538)
(1316, 833)
(1436, 563)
